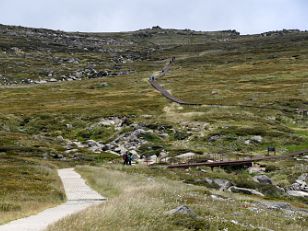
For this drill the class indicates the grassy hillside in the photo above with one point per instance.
(27, 187)
(57, 87)
(140, 202)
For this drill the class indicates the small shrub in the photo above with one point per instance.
(99, 133)
(271, 168)
(7, 207)
(269, 190)
(245, 181)
(180, 135)
(150, 150)
(103, 157)
(190, 223)
(150, 137)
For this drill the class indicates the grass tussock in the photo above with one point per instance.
(267, 73)
(139, 202)
(27, 187)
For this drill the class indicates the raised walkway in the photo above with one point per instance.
(155, 84)
(162, 90)
(79, 197)
(243, 162)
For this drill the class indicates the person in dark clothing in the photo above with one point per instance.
(125, 159)
(130, 158)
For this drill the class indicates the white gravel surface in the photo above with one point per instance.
(79, 196)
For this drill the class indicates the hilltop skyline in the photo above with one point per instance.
(247, 17)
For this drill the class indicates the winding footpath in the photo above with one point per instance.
(162, 90)
(79, 197)
(155, 84)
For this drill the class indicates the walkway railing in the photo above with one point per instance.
(240, 162)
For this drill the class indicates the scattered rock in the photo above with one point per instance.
(135, 155)
(303, 177)
(276, 205)
(60, 139)
(52, 80)
(71, 151)
(79, 144)
(58, 156)
(69, 145)
(262, 179)
(139, 132)
(121, 150)
(45, 156)
(78, 74)
(217, 197)
(186, 155)
(153, 158)
(214, 138)
(220, 183)
(114, 153)
(300, 184)
(104, 84)
(163, 155)
(256, 169)
(147, 116)
(94, 146)
(183, 210)
(255, 210)
(92, 143)
(235, 189)
(288, 210)
(112, 121)
(102, 74)
(257, 139)
(69, 126)
(223, 184)
(72, 60)
(297, 193)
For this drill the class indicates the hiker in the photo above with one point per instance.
(130, 158)
(125, 159)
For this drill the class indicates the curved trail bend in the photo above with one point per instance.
(153, 81)
(162, 90)
(79, 197)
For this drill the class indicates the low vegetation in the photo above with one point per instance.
(27, 187)
(250, 86)
(140, 202)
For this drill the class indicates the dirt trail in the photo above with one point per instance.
(79, 196)
(162, 90)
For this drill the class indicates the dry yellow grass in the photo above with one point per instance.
(27, 187)
(139, 202)
(245, 70)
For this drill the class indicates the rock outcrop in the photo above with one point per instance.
(299, 188)
(248, 191)
(262, 179)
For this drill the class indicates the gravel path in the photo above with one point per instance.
(79, 196)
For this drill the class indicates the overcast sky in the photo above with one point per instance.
(246, 16)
